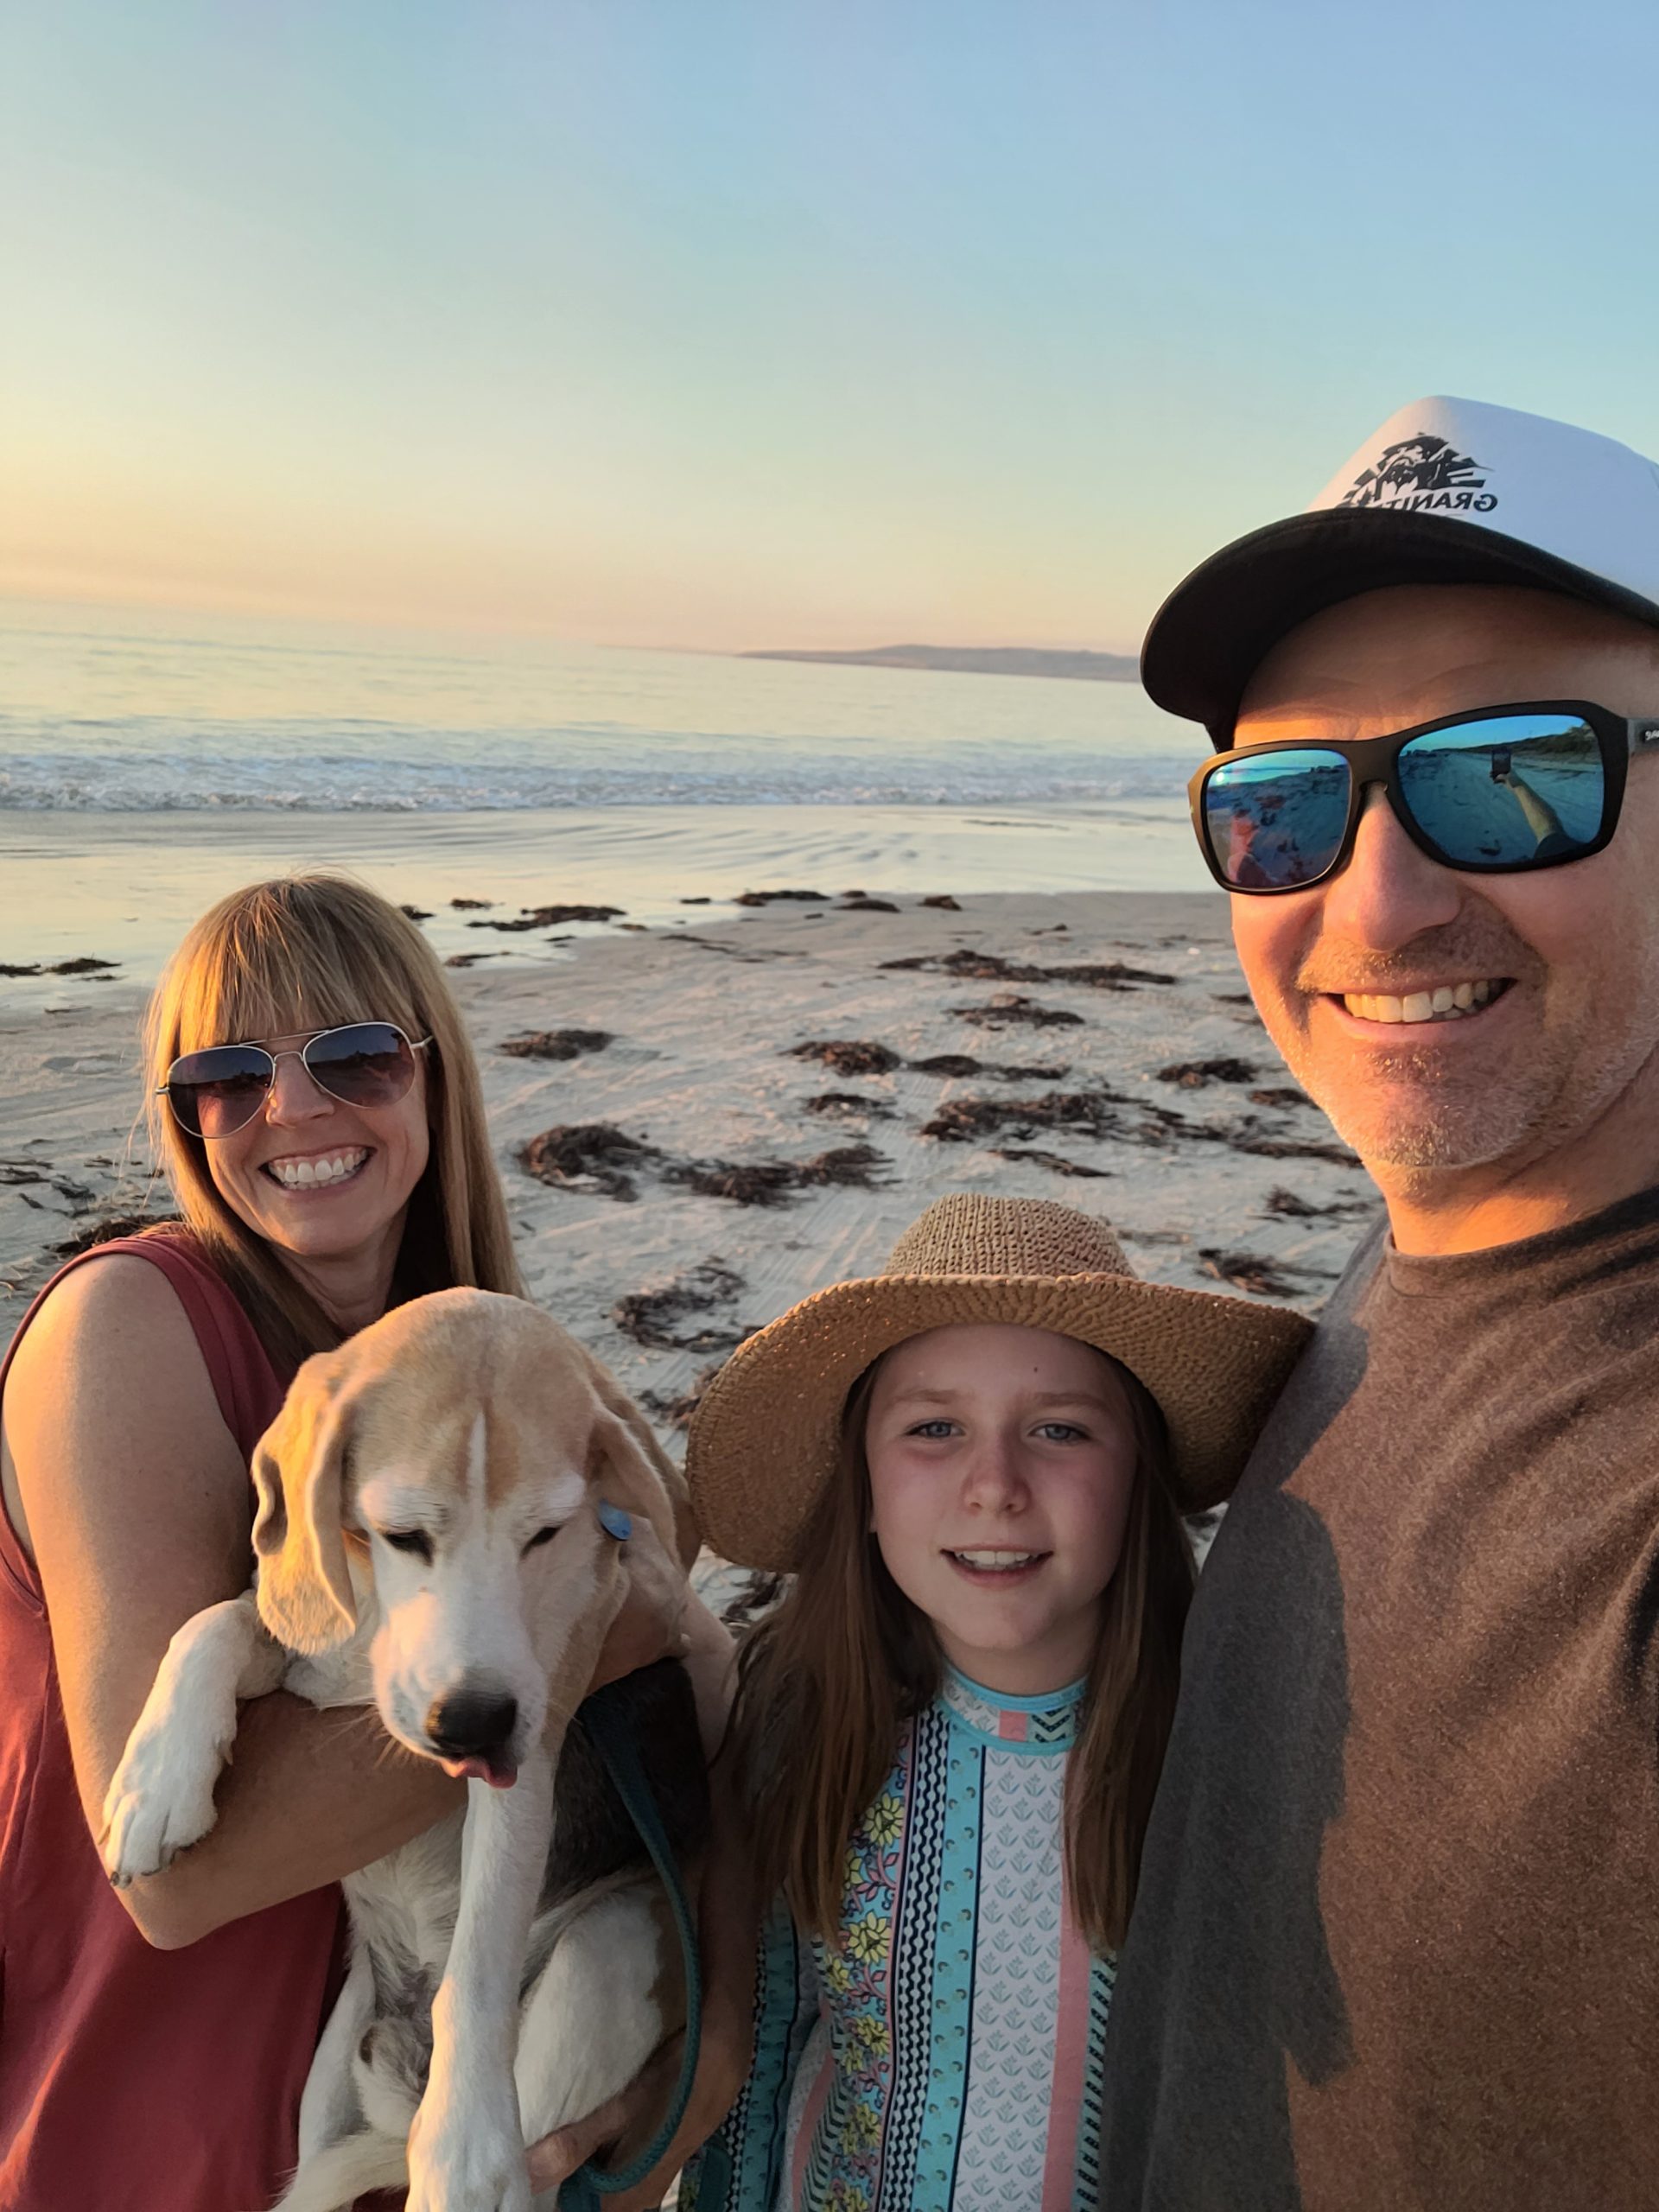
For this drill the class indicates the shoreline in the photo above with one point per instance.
(125, 887)
(1093, 1047)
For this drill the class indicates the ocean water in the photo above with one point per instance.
(113, 711)
(149, 761)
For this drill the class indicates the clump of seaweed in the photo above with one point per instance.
(847, 1102)
(772, 1182)
(549, 917)
(991, 967)
(1056, 1161)
(1193, 1075)
(848, 1055)
(557, 1043)
(648, 1316)
(107, 1228)
(1251, 1272)
(587, 1156)
(1008, 1007)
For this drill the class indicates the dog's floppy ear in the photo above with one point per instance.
(299, 1471)
(629, 1467)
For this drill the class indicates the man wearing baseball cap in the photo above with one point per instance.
(1397, 1943)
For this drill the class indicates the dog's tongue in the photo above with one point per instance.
(499, 1777)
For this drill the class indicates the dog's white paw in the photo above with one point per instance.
(159, 1801)
(468, 2160)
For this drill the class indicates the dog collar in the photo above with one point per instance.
(615, 1522)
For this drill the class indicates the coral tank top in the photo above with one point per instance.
(133, 2079)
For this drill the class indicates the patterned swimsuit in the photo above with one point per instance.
(945, 2051)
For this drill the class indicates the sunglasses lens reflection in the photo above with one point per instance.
(369, 1063)
(1508, 792)
(1272, 821)
(218, 1092)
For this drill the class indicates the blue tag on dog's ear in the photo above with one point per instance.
(615, 1522)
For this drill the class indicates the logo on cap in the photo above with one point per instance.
(1421, 473)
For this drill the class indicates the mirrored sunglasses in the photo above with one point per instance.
(217, 1092)
(1494, 793)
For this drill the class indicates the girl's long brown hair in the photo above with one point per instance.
(311, 951)
(828, 1681)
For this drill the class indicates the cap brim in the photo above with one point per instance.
(765, 1437)
(1214, 630)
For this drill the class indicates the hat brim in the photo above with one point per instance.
(1215, 628)
(767, 1436)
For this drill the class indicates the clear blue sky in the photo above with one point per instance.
(780, 322)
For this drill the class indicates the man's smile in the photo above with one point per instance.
(1428, 1003)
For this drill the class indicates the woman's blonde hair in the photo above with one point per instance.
(827, 1683)
(304, 953)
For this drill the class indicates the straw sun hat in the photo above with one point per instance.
(765, 1439)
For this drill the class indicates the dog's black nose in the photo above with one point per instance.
(471, 1724)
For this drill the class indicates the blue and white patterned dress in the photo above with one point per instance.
(945, 2050)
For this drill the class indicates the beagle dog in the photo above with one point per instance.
(452, 1508)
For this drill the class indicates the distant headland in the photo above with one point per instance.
(980, 660)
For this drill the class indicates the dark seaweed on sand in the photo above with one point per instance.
(1094, 1113)
(847, 1102)
(963, 1063)
(107, 1228)
(862, 906)
(1271, 1147)
(773, 1182)
(1009, 1006)
(943, 899)
(1102, 1113)
(1054, 1159)
(647, 1316)
(1250, 1271)
(767, 898)
(990, 967)
(84, 964)
(750, 952)
(676, 1412)
(549, 917)
(848, 1055)
(470, 905)
(417, 914)
(1284, 1094)
(1290, 1206)
(574, 1154)
(557, 1043)
(1192, 1075)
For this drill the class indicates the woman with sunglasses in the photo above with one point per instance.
(319, 1117)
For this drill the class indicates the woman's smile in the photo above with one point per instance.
(310, 1172)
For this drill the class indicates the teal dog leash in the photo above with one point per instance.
(603, 1717)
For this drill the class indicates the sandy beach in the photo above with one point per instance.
(762, 1097)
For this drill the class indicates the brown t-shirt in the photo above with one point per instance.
(1397, 1939)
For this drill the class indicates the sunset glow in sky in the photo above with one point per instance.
(753, 322)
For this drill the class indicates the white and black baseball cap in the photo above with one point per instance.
(1447, 491)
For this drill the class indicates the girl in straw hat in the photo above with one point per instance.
(949, 1733)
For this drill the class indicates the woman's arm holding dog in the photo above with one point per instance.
(138, 1509)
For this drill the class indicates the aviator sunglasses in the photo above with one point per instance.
(215, 1093)
(1494, 792)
